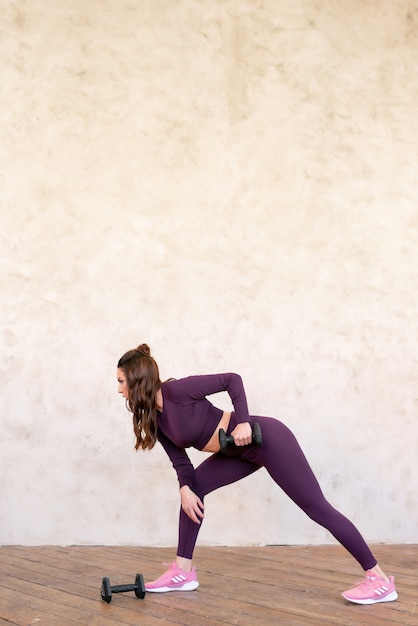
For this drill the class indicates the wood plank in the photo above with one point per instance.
(246, 586)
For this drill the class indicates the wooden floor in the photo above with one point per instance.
(258, 586)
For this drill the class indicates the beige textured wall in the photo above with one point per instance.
(234, 182)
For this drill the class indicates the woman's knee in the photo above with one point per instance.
(320, 511)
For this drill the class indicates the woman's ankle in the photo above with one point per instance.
(184, 564)
(379, 572)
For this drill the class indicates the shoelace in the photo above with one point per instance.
(367, 582)
(171, 565)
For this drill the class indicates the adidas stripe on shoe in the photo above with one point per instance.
(174, 579)
(372, 590)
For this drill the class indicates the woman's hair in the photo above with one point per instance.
(143, 380)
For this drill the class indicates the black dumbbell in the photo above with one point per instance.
(107, 590)
(225, 440)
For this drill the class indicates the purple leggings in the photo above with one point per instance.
(284, 460)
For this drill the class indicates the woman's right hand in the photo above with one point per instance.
(191, 504)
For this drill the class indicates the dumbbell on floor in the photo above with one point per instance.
(226, 440)
(107, 590)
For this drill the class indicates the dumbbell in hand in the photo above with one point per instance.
(226, 440)
(107, 589)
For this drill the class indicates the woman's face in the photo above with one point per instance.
(122, 384)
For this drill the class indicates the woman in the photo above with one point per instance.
(178, 415)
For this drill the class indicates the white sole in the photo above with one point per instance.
(389, 598)
(191, 586)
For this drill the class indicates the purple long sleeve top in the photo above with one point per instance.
(188, 418)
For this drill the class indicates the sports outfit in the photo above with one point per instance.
(188, 420)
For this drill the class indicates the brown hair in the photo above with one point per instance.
(143, 380)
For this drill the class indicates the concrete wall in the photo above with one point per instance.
(235, 183)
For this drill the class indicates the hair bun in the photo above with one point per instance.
(144, 349)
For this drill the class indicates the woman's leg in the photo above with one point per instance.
(216, 471)
(284, 460)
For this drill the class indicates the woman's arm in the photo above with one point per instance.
(190, 502)
(195, 388)
(179, 459)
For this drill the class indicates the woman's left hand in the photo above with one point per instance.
(191, 504)
(242, 434)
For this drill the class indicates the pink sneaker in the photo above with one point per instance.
(174, 579)
(371, 590)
